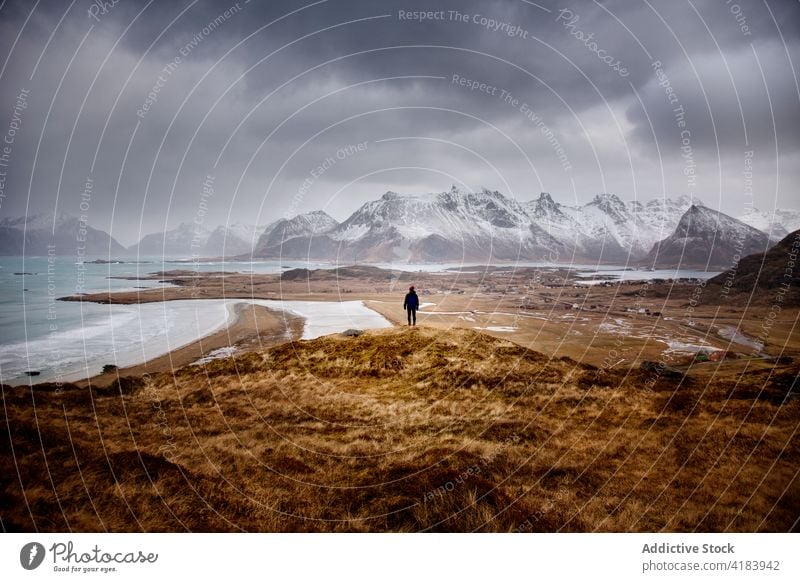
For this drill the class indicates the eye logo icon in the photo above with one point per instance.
(31, 555)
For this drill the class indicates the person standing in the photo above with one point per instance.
(411, 304)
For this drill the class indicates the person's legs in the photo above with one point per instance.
(409, 316)
(414, 313)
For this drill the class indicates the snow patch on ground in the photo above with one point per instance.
(734, 335)
(498, 328)
(677, 346)
(615, 327)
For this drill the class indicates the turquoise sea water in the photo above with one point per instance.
(66, 340)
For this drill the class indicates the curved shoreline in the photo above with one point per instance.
(248, 324)
(253, 327)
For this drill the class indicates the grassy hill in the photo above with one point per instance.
(762, 275)
(405, 430)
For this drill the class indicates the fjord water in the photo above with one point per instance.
(71, 340)
(45, 335)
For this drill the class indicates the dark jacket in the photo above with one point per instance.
(411, 301)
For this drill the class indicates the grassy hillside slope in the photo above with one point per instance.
(405, 430)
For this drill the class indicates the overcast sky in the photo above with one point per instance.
(253, 97)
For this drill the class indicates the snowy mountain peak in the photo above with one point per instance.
(687, 200)
(63, 233)
(705, 237)
(683, 202)
(315, 221)
(311, 215)
(39, 221)
(698, 220)
(703, 222)
(695, 212)
(311, 224)
(613, 214)
(545, 205)
(609, 203)
(550, 214)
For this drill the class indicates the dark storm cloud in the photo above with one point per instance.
(260, 106)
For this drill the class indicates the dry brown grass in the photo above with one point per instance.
(406, 430)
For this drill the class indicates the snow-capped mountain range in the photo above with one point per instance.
(62, 234)
(607, 227)
(486, 226)
(190, 239)
(450, 225)
(457, 225)
(777, 224)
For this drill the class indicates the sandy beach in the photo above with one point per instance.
(254, 327)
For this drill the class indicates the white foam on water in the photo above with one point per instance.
(127, 335)
(131, 334)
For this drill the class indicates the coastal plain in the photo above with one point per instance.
(525, 400)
